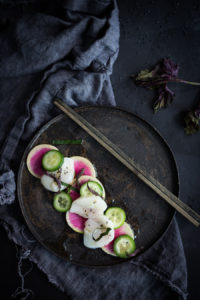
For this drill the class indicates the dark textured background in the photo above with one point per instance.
(150, 30)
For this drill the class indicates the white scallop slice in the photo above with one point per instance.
(50, 184)
(66, 173)
(88, 207)
(67, 170)
(94, 228)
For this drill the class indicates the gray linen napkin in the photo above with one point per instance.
(68, 50)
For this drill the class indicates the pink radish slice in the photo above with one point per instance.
(124, 229)
(76, 222)
(83, 163)
(74, 195)
(34, 159)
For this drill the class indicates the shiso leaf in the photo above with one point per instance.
(164, 72)
(67, 142)
(157, 78)
(165, 97)
(102, 234)
(192, 119)
(57, 179)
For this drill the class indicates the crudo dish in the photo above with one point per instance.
(82, 197)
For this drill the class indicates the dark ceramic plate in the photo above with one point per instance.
(143, 207)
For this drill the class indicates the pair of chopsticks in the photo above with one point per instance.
(162, 191)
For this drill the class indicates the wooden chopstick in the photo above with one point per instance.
(162, 191)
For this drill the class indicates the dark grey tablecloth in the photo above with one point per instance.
(68, 50)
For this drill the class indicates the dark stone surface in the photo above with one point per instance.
(150, 30)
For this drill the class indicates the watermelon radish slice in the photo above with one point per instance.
(124, 229)
(83, 163)
(74, 195)
(34, 159)
(76, 222)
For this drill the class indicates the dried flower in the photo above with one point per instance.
(192, 119)
(164, 72)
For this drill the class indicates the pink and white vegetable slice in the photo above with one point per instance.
(124, 229)
(83, 163)
(34, 159)
(76, 222)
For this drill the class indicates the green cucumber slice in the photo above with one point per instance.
(94, 189)
(62, 202)
(117, 215)
(124, 245)
(52, 160)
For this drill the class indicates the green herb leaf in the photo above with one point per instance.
(67, 142)
(102, 234)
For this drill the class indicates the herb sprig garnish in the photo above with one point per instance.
(101, 235)
(67, 142)
(57, 179)
(69, 187)
(164, 72)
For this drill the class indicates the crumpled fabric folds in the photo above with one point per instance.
(7, 186)
(67, 49)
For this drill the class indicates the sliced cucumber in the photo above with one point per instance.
(117, 215)
(124, 245)
(62, 202)
(52, 160)
(91, 188)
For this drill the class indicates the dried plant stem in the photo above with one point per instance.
(183, 81)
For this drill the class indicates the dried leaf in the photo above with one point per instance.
(192, 122)
(165, 97)
(157, 78)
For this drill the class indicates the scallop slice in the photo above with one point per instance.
(88, 207)
(50, 184)
(65, 174)
(67, 171)
(98, 232)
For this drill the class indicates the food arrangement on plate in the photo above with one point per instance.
(79, 194)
